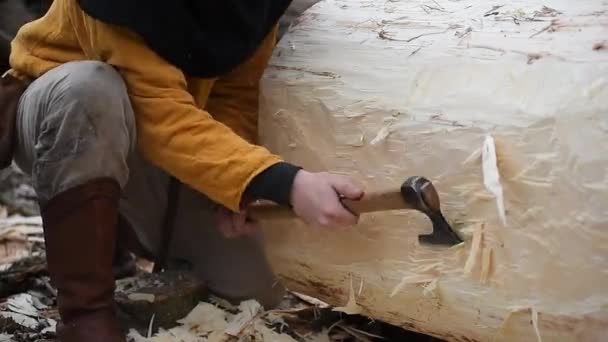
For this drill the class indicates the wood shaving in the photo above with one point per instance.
(486, 265)
(474, 252)
(21, 319)
(431, 289)
(248, 312)
(311, 300)
(205, 318)
(491, 176)
(25, 304)
(145, 297)
(351, 308)
(413, 279)
(382, 134)
(535, 323)
(151, 325)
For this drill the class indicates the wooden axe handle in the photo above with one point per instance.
(376, 201)
(371, 202)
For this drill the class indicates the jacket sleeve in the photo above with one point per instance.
(234, 98)
(173, 133)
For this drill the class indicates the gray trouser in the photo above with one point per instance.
(75, 123)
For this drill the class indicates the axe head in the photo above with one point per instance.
(421, 195)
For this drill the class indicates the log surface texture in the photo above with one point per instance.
(458, 92)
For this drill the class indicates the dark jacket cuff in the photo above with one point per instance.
(273, 184)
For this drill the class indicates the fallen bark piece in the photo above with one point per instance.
(167, 296)
(504, 107)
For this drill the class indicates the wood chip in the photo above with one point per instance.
(351, 307)
(148, 297)
(311, 300)
(249, 310)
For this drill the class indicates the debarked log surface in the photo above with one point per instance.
(504, 106)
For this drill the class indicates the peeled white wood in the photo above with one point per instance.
(383, 90)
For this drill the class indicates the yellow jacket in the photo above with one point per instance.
(202, 131)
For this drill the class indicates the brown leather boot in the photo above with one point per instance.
(80, 234)
(126, 247)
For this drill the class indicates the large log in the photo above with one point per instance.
(459, 92)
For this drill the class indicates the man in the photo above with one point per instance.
(121, 97)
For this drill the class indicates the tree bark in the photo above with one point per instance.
(460, 92)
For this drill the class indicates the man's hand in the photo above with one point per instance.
(315, 198)
(233, 225)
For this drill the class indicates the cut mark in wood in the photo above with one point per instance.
(600, 46)
(438, 5)
(318, 73)
(547, 12)
(549, 28)
(383, 34)
(427, 34)
(428, 9)
(438, 118)
(415, 51)
(531, 56)
(492, 11)
(464, 33)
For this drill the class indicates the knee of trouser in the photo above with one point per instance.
(90, 106)
(97, 91)
(87, 130)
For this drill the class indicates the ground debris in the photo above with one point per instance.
(26, 317)
(22, 257)
(294, 321)
(170, 306)
(166, 296)
(16, 192)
